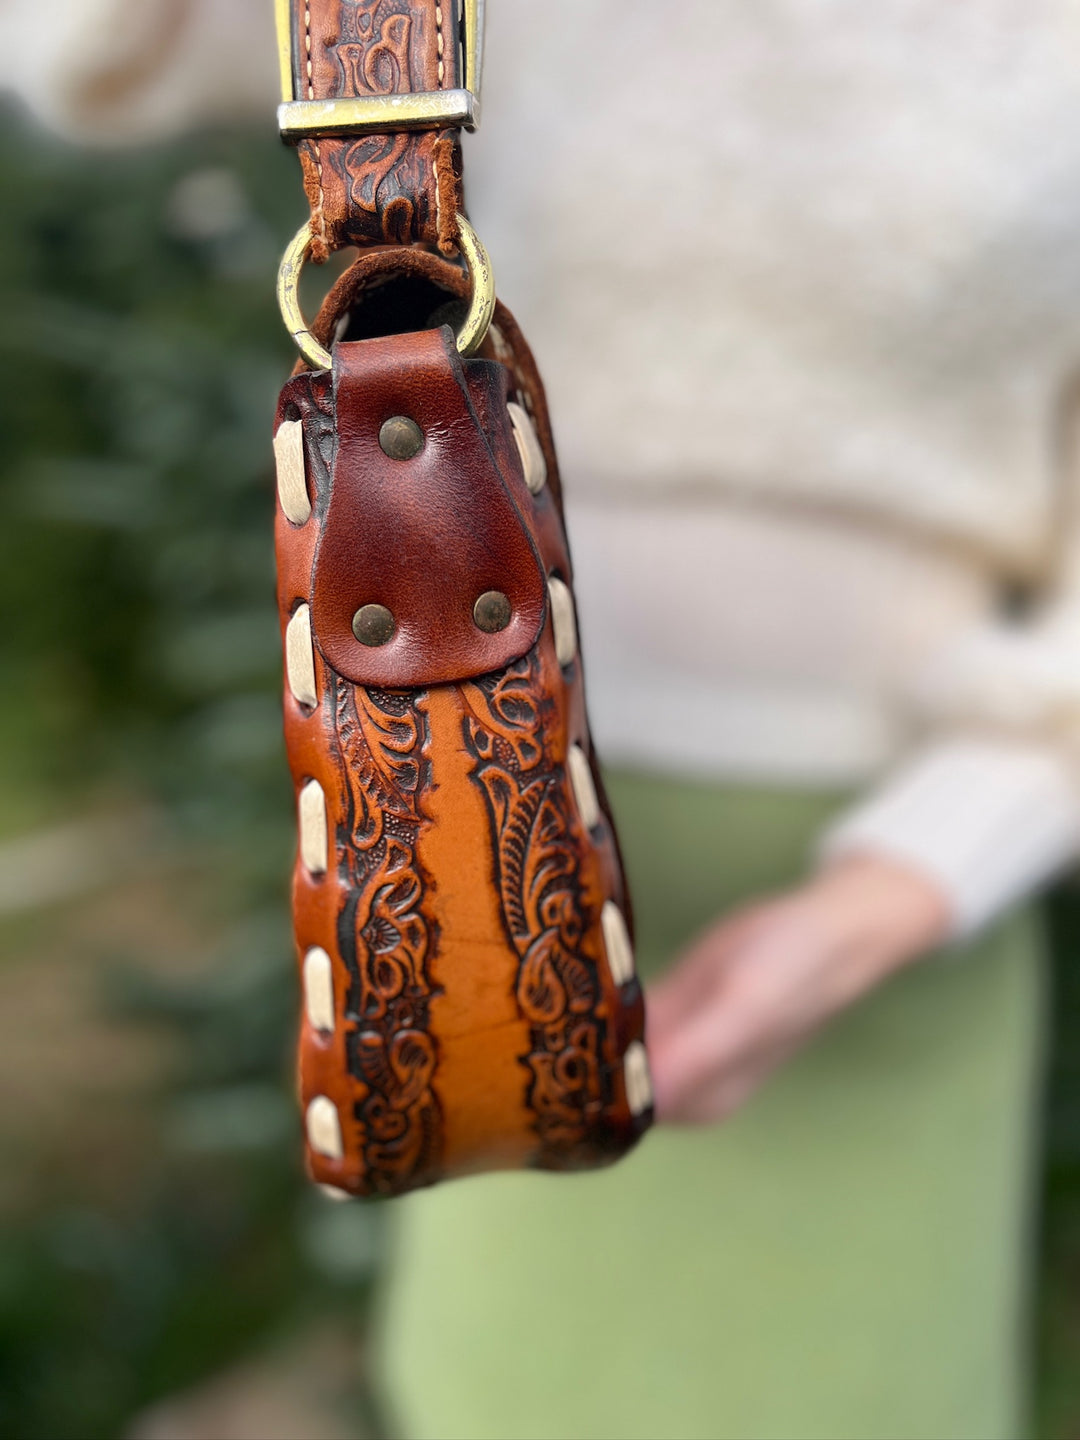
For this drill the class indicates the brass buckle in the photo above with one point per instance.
(360, 115)
(473, 329)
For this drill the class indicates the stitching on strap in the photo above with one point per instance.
(320, 209)
(440, 158)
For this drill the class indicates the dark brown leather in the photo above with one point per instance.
(396, 189)
(424, 536)
(477, 1022)
(374, 272)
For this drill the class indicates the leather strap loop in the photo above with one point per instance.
(393, 189)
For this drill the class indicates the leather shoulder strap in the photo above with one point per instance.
(396, 187)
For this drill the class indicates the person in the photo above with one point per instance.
(801, 281)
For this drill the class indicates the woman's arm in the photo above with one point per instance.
(757, 984)
(945, 846)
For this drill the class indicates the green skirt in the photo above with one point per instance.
(845, 1258)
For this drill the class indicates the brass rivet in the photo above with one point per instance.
(400, 437)
(373, 624)
(492, 612)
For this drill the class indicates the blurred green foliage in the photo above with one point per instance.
(140, 356)
(141, 353)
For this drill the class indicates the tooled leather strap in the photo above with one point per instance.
(396, 188)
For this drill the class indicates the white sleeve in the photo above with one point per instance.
(988, 820)
(123, 72)
(993, 813)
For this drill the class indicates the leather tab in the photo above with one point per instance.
(426, 536)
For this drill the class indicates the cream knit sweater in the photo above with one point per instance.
(804, 280)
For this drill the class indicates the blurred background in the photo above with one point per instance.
(157, 1237)
(165, 1270)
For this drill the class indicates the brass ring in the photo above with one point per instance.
(469, 338)
(482, 300)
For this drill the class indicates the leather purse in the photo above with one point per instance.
(462, 924)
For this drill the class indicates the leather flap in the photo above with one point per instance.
(423, 537)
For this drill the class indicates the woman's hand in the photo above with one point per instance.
(757, 984)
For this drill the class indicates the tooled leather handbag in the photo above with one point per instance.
(461, 916)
